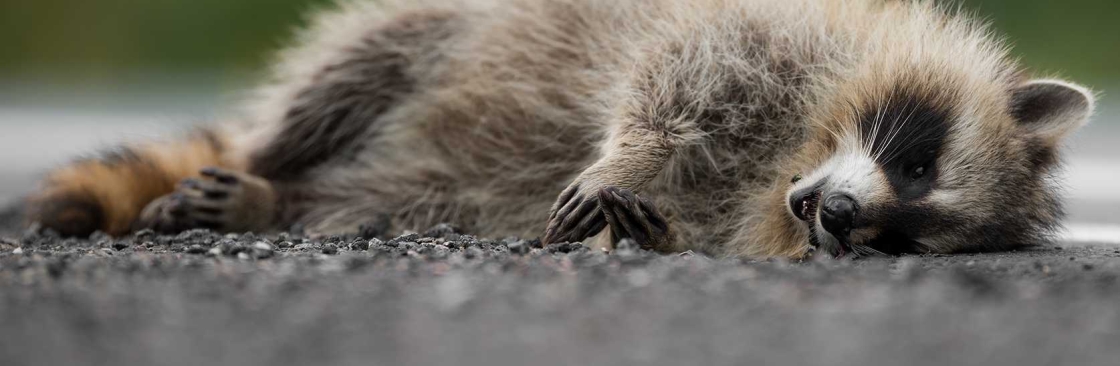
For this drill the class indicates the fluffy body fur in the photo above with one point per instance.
(480, 112)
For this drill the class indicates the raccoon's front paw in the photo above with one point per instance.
(219, 200)
(633, 217)
(575, 216)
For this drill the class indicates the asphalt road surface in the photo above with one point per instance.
(442, 298)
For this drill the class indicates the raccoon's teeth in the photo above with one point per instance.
(807, 208)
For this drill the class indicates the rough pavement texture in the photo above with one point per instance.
(206, 299)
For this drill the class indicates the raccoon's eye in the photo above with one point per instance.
(919, 171)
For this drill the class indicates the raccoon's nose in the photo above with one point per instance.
(837, 215)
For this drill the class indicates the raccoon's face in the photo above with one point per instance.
(927, 169)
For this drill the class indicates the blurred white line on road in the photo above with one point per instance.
(1091, 234)
(1092, 179)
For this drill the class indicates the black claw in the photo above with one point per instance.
(548, 232)
(216, 194)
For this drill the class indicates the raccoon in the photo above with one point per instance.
(749, 128)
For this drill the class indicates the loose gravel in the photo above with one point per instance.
(445, 298)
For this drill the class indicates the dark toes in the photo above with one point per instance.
(566, 210)
(70, 214)
(625, 224)
(565, 198)
(177, 205)
(630, 216)
(219, 175)
(590, 225)
(575, 218)
(654, 217)
(206, 189)
(216, 194)
(198, 203)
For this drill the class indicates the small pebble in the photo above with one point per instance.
(196, 249)
(330, 249)
(518, 247)
(120, 245)
(442, 231)
(144, 234)
(262, 250)
(230, 247)
(626, 244)
(359, 244)
(18, 251)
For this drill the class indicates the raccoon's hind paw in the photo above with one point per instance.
(575, 216)
(71, 214)
(220, 200)
(166, 215)
(633, 217)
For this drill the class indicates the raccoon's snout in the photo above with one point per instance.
(837, 215)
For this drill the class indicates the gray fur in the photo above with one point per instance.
(706, 107)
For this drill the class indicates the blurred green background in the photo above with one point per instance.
(105, 42)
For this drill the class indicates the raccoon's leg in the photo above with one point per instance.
(630, 216)
(333, 115)
(335, 110)
(220, 200)
(636, 160)
(108, 193)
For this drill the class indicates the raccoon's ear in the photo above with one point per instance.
(1049, 110)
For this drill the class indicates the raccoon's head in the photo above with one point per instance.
(936, 163)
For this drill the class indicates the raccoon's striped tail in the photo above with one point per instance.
(107, 193)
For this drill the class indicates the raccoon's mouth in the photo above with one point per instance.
(806, 208)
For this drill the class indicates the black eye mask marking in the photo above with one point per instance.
(906, 134)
